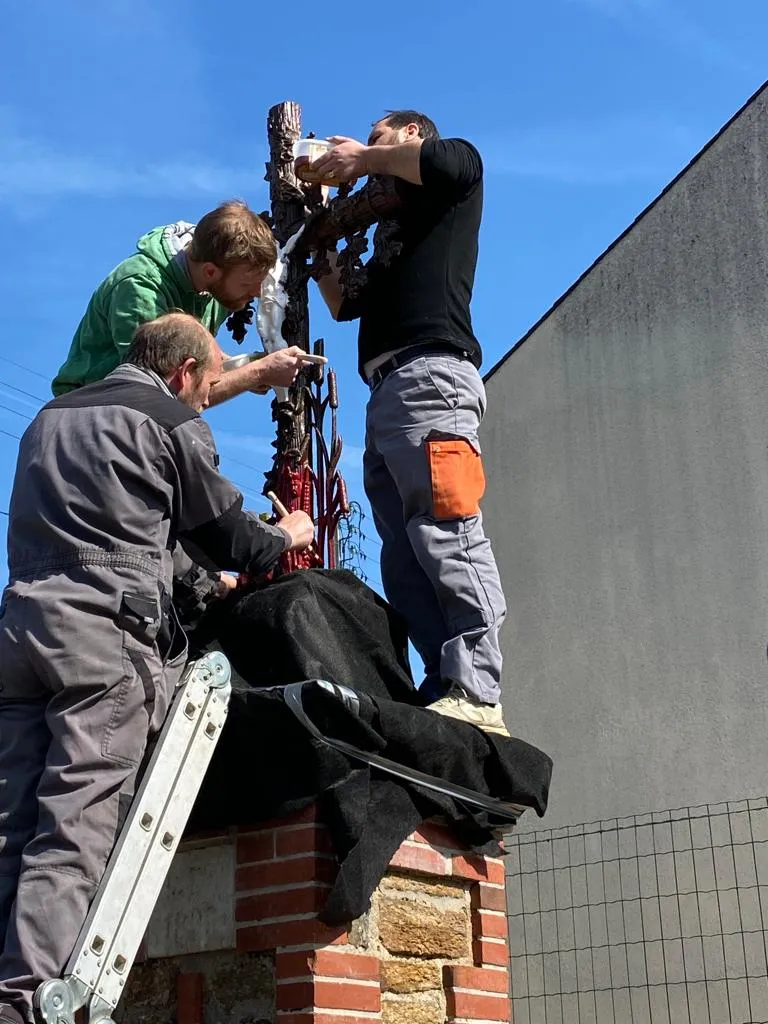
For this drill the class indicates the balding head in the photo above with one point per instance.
(179, 349)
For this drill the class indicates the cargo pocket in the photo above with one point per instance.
(458, 480)
(125, 735)
(139, 616)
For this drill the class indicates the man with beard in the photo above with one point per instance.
(209, 270)
(420, 358)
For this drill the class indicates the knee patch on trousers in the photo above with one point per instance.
(457, 477)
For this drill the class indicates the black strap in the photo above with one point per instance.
(348, 697)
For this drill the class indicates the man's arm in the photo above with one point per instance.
(330, 286)
(350, 159)
(194, 587)
(400, 161)
(211, 512)
(132, 302)
(278, 369)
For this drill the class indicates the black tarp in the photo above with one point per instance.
(320, 624)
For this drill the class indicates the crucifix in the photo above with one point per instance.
(305, 468)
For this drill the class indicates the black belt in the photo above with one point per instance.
(414, 352)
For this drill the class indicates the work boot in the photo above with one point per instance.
(9, 1015)
(460, 705)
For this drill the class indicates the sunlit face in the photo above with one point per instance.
(193, 387)
(234, 287)
(383, 134)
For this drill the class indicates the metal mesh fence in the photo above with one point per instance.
(653, 919)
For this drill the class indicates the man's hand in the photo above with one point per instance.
(278, 369)
(300, 528)
(347, 161)
(226, 584)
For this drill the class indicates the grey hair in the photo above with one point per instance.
(164, 344)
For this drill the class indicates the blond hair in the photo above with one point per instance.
(232, 234)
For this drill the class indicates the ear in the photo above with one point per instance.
(211, 272)
(412, 131)
(187, 368)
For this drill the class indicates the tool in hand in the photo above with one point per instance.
(235, 362)
(282, 511)
(279, 506)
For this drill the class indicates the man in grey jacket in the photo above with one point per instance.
(110, 478)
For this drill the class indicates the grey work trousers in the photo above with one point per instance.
(424, 480)
(82, 687)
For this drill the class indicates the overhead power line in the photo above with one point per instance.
(21, 366)
(21, 391)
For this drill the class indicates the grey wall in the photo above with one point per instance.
(626, 447)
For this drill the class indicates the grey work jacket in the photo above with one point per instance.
(116, 474)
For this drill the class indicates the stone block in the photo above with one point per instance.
(420, 929)
(426, 1010)
(407, 883)
(405, 976)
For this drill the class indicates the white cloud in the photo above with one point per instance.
(29, 169)
(351, 462)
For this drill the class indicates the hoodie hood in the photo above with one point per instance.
(162, 244)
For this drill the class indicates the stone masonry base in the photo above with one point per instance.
(235, 937)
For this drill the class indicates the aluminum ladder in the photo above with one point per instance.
(95, 976)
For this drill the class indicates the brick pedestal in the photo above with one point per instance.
(235, 938)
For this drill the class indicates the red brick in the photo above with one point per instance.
(286, 872)
(346, 995)
(295, 965)
(485, 979)
(302, 840)
(299, 995)
(489, 924)
(486, 952)
(327, 963)
(476, 1007)
(254, 938)
(288, 903)
(298, 818)
(197, 837)
(329, 995)
(436, 835)
(189, 998)
(333, 963)
(479, 869)
(259, 846)
(484, 897)
(420, 858)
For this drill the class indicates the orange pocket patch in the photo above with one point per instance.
(458, 480)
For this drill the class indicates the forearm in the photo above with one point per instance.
(400, 161)
(235, 382)
(330, 286)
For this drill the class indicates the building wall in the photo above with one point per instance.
(626, 448)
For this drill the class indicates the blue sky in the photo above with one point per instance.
(120, 115)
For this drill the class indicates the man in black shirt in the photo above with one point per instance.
(423, 469)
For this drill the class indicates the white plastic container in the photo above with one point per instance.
(306, 151)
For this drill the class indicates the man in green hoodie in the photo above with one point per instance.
(208, 269)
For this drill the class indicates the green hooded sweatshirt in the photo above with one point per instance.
(151, 282)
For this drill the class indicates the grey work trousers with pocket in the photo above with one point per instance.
(82, 688)
(424, 480)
